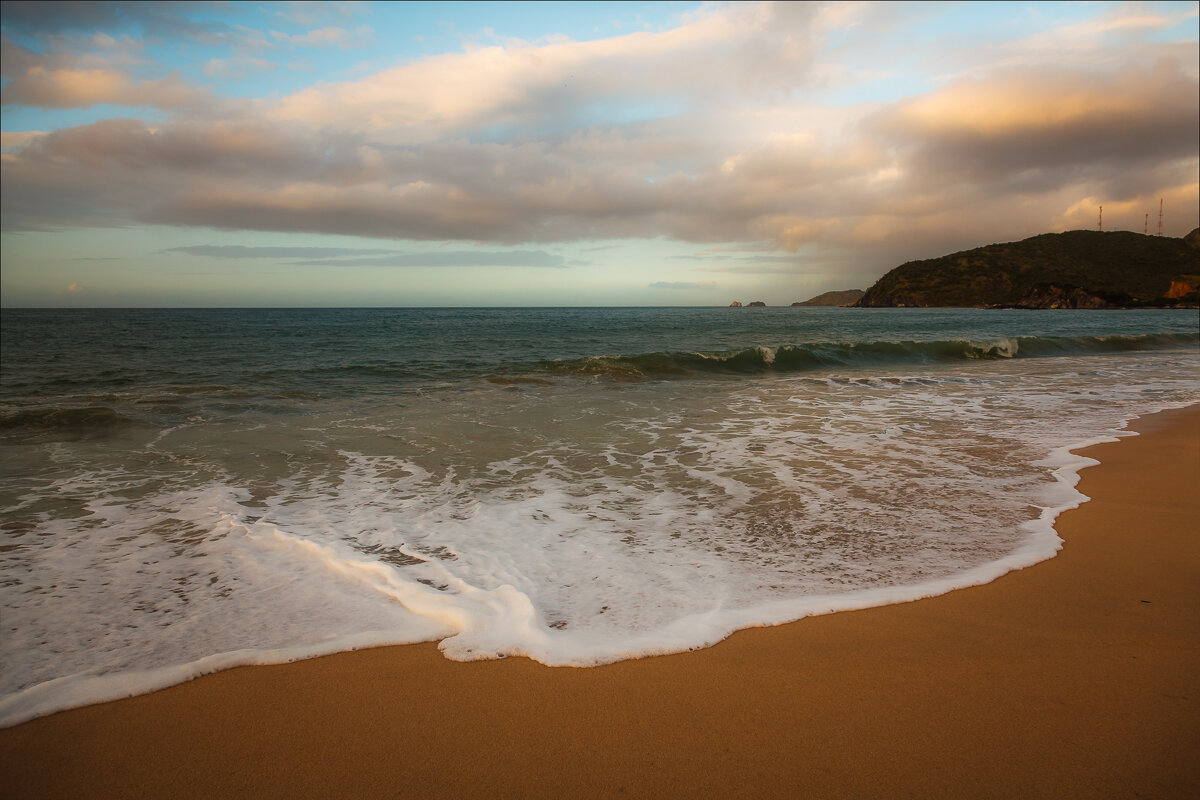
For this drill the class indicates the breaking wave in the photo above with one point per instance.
(798, 358)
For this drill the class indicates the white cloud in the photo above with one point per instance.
(703, 133)
(308, 12)
(327, 37)
(739, 51)
(236, 66)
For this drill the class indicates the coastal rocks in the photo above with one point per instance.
(1182, 294)
(1052, 296)
(1183, 286)
(735, 304)
(757, 304)
(895, 300)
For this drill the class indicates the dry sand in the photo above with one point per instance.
(1074, 678)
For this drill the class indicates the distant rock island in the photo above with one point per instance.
(845, 298)
(1075, 269)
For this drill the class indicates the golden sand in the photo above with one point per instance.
(1079, 677)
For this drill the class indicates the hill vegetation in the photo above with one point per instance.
(1075, 269)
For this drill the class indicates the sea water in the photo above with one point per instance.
(187, 490)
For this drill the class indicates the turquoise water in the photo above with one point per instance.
(186, 490)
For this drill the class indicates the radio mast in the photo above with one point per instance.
(1160, 216)
(1146, 225)
(1100, 220)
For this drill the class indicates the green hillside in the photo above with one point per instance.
(1075, 269)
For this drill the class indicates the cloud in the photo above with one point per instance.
(14, 140)
(69, 79)
(682, 285)
(700, 133)
(464, 258)
(239, 66)
(1116, 24)
(327, 37)
(712, 255)
(302, 12)
(754, 269)
(1016, 139)
(244, 251)
(33, 17)
(722, 53)
(371, 257)
(749, 265)
(15, 59)
(75, 88)
(1025, 118)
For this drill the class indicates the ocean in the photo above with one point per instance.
(188, 490)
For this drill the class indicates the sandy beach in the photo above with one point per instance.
(1077, 677)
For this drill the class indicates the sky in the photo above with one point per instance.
(196, 154)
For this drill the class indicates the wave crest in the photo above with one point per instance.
(798, 358)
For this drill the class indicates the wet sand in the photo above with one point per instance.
(1078, 677)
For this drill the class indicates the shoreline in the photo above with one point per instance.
(1072, 678)
(1043, 543)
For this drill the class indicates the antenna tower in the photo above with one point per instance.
(1160, 216)
(1146, 226)
(1100, 220)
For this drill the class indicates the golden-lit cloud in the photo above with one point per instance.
(1084, 106)
(723, 52)
(76, 88)
(12, 140)
(707, 132)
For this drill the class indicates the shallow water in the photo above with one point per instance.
(187, 490)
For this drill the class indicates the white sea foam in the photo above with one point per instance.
(569, 526)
